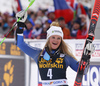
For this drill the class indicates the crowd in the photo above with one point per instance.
(38, 23)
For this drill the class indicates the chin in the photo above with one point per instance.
(54, 48)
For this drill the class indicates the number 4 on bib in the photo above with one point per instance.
(49, 73)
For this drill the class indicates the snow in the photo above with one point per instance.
(6, 5)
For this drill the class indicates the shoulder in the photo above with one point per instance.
(65, 56)
(69, 58)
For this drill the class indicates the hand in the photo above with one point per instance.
(23, 15)
(89, 50)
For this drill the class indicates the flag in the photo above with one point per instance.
(71, 3)
(80, 9)
(62, 9)
(19, 6)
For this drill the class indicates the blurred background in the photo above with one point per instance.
(18, 69)
(75, 18)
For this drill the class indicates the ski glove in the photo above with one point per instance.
(23, 15)
(89, 49)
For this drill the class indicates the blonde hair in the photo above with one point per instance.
(55, 23)
(64, 48)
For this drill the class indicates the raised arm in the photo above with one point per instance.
(29, 50)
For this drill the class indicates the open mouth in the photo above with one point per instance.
(54, 43)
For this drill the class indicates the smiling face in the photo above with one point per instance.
(55, 41)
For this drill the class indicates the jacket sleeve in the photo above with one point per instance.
(72, 63)
(75, 64)
(29, 50)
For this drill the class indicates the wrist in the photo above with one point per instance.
(20, 24)
(19, 31)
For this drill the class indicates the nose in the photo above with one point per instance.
(55, 39)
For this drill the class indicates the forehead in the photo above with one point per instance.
(56, 36)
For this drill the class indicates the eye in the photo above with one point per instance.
(58, 38)
(53, 37)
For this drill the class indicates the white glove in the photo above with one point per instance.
(89, 50)
(23, 15)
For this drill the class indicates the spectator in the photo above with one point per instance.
(71, 25)
(28, 29)
(75, 28)
(31, 21)
(89, 13)
(51, 14)
(81, 34)
(31, 17)
(80, 9)
(1, 27)
(46, 26)
(8, 26)
(65, 30)
(36, 31)
(30, 14)
(41, 14)
(83, 20)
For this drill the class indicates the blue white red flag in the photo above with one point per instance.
(71, 3)
(82, 9)
(62, 9)
(19, 6)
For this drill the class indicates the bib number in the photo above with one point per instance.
(49, 73)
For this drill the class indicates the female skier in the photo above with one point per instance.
(54, 58)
